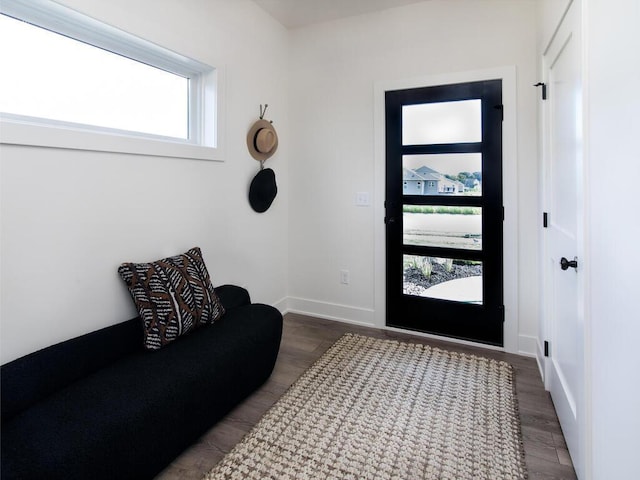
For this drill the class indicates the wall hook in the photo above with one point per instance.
(262, 112)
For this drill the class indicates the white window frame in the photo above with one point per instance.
(206, 93)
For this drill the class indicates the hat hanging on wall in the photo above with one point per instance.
(263, 190)
(262, 141)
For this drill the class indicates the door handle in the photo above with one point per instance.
(565, 264)
(389, 220)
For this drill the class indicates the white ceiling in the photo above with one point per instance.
(297, 13)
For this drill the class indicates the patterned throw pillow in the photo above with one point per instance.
(173, 296)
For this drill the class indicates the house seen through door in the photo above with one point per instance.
(444, 214)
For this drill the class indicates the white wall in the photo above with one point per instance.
(550, 15)
(69, 218)
(334, 67)
(612, 79)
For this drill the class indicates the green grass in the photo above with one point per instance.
(442, 209)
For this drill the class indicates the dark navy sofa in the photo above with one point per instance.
(101, 407)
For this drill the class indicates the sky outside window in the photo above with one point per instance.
(51, 76)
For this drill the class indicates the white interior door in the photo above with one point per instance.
(565, 374)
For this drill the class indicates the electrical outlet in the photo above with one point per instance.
(344, 277)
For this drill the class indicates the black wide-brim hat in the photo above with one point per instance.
(263, 190)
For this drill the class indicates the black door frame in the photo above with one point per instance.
(481, 323)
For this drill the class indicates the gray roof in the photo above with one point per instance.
(425, 173)
(408, 174)
(426, 170)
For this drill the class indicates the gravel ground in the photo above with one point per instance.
(415, 283)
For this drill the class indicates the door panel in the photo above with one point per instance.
(565, 367)
(444, 210)
(431, 168)
(442, 122)
(442, 226)
(420, 272)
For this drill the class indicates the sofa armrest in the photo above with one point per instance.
(34, 377)
(232, 296)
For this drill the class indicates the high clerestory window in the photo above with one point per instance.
(83, 84)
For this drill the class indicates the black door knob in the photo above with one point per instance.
(565, 264)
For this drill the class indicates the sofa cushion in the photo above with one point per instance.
(132, 418)
(173, 296)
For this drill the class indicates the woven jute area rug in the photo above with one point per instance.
(382, 409)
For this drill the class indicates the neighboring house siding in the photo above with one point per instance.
(412, 182)
(431, 188)
(426, 181)
(451, 186)
(412, 187)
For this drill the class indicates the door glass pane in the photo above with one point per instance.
(442, 122)
(442, 226)
(443, 278)
(442, 174)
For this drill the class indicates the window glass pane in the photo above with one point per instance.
(442, 174)
(51, 76)
(443, 122)
(443, 278)
(442, 226)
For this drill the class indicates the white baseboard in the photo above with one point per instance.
(282, 305)
(527, 345)
(330, 311)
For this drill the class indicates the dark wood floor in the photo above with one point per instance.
(305, 339)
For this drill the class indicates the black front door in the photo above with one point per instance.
(444, 210)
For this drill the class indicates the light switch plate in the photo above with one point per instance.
(362, 199)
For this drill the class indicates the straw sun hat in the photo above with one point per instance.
(262, 140)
